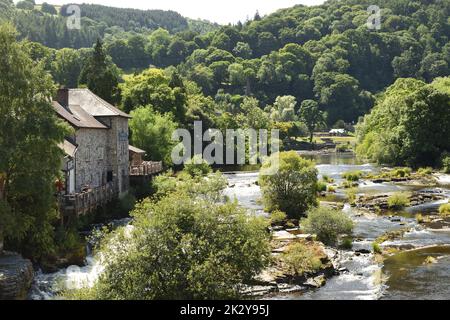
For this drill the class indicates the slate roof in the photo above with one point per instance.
(68, 147)
(78, 117)
(93, 104)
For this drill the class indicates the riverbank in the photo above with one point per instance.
(353, 273)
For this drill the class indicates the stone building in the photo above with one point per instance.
(96, 164)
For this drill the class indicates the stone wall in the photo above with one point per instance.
(91, 163)
(117, 151)
(16, 276)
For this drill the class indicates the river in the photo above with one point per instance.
(401, 276)
(365, 278)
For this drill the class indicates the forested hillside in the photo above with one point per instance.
(46, 24)
(325, 53)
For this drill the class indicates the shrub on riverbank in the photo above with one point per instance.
(352, 176)
(398, 200)
(209, 187)
(327, 179)
(278, 217)
(425, 171)
(376, 248)
(444, 210)
(328, 224)
(351, 195)
(321, 186)
(197, 166)
(181, 247)
(445, 162)
(301, 258)
(291, 189)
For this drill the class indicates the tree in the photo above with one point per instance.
(48, 8)
(25, 5)
(408, 125)
(252, 116)
(154, 88)
(152, 132)
(341, 97)
(66, 67)
(283, 109)
(243, 50)
(312, 116)
(29, 154)
(100, 76)
(293, 187)
(183, 246)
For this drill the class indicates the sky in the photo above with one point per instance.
(220, 11)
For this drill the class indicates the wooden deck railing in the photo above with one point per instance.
(87, 201)
(147, 168)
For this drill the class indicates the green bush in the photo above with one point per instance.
(445, 162)
(292, 188)
(327, 224)
(349, 184)
(351, 195)
(347, 243)
(376, 248)
(352, 175)
(425, 171)
(398, 200)
(181, 247)
(327, 179)
(331, 189)
(209, 187)
(197, 166)
(419, 218)
(278, 217)
(321, 186)
(400, 172)
(444, 210)
(301, 258)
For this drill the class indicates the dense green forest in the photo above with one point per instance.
(47, 24)
(325, 53)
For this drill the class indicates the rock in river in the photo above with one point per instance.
(16, 276)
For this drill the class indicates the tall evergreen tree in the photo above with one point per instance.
(99, 75)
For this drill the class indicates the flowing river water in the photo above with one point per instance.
(401, 276)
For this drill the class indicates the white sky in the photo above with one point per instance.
(221, 11)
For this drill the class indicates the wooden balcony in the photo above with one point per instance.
(146, 168)
(78, 204)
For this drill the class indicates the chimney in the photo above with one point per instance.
(63, 97)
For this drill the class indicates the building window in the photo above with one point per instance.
(109, 176)
(87, 154)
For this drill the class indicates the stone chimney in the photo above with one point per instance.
(63, 97)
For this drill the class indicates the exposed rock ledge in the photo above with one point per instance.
(380, 201)
(16, 276)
